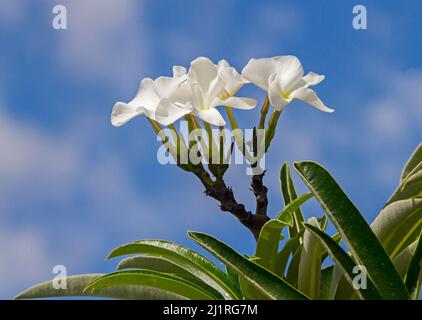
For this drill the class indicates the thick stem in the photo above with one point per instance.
(223, 194)
(260, 192)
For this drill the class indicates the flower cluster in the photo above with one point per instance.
(205, 86)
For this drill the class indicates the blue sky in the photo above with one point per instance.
(72, 187)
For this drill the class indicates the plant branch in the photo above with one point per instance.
(225, 196)
(260, 192)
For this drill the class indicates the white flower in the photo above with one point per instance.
(233, 81)
(208, 86)
(283, 78)
(153, 96)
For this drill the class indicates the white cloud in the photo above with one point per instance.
(393, 116)
(273, 23)
(60, 204)
(397, 112)
(25, 258)
(105, 39)
(12, 12)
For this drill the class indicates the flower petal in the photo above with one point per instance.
(310, 97)
(313, 78)
(124, 112)
(258, 71)
(146, 96)
(182, 94)
(233, 80)
(165, 86)
(290, 72)
(215, 88)
(168, 112)
(179, 71)
(146, 99)
(274, 93)
(211, 116)
(236, 102)
(222, 64)
(203, 71)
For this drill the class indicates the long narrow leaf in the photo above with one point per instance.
(75, 286)
(413, 161)
(414, 271)
(167, 282)
(191, 261)
(398, 225)
(402, 260)
(268, 241)
(294, 205)
(309, 277)
(263, 280)
(293, 269)
(326, 282)
(354, 230)
(269, 237)
(345, 262)
(289, 194)
(158, 264)
(288, 250)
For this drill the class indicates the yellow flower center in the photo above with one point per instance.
(285, 95)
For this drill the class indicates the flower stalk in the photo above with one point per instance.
(272, 126)
(264, 111)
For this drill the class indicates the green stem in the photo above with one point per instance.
(231, 117)
(270, 131)
(212, 146)
(180, 144)
(239, 139)
(159, 132)
(264, 111)
(196, 126)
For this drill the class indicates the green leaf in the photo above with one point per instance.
(283, 256)
(269, 237)
(344, 261)
(76, 285)
(293, 206)
(326, 281)
(289, 194)
(158, 264)
(263, 280)
(411, 179)
(398, 225)
(182, 286)
(232, 273)
(402, 260)
(406, 190)
(187, 259)
(248, 289)
(309, 277)
(268, 241)
(357, 234)
(414, 160)
(414, 271)
(414, 179)
(293, 269)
